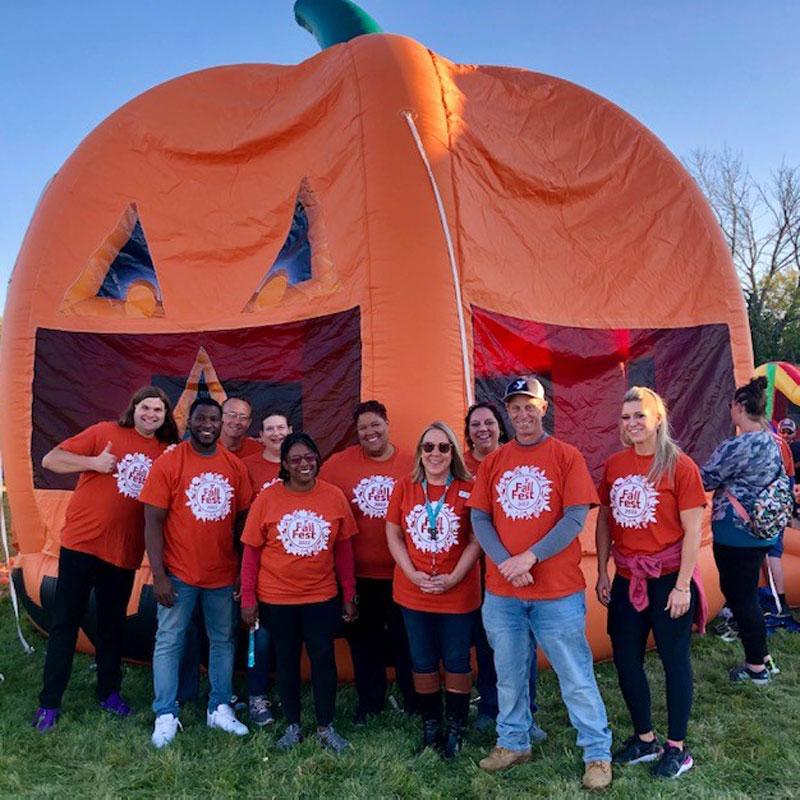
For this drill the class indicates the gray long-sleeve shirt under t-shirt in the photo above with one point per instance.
(554, 541)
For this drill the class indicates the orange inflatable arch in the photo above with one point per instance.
(376, 221)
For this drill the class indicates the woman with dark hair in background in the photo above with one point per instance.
(297, 543)
(436, 580)
(485, 431)
(738, 471)
(102, 542)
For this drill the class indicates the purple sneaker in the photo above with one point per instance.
(116, 705)
(45, 719)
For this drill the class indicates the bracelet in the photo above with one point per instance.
(683, 591)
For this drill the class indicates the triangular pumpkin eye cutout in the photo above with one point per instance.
(303, 269)
(120, 279)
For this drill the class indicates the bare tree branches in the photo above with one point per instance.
(761, 224)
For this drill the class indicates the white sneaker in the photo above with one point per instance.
(224, 719)
(164, 730)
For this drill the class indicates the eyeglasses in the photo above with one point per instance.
(429, 447)
(296, 461)
(234, 415)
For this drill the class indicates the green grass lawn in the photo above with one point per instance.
(744, 739)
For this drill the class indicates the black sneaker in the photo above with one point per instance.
(743, 673)
(673, 763)
(636, 751)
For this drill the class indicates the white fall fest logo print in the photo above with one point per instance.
(210, 496)
(524, 492)
(132, 472)
(633, 501)
(372, 495)
(418, 528)
(304, 533)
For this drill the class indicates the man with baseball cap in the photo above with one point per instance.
(787, 430)
(529, 504)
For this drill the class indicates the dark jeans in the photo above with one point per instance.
(376, 638)
(78, 574)
(486, 682)
(629, 629)
(316, 625)
(435, 638)
(739, 569)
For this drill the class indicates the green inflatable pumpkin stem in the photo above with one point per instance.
(333, 21)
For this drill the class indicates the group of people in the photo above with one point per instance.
(416, 557)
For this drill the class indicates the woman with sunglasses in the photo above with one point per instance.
(297, 543)
(436, 580)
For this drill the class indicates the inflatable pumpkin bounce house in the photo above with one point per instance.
(375, 222)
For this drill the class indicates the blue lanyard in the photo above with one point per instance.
(434, 511)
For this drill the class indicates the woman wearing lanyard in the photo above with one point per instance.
(436, 580)
(297, 538)
(655, 497)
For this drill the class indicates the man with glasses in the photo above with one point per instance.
(529, 504)
(196, 498)
(236, 418)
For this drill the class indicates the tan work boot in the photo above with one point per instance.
(597, 775)
(502, 758)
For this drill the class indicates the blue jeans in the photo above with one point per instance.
(436, 637)
(218, 607)
(513, 627)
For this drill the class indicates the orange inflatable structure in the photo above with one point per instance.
(376, 221)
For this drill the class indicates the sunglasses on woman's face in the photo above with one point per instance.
(296, 461)
(429, 447)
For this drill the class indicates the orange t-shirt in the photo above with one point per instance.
(103, 517)
(526, 490)
(645, 519)
(202, 495)
(472, 463)
(368, 484)
(786, 454)
(249, 447)
(296, 532)
(434, 555)
(263, 473)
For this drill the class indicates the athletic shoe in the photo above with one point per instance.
(291, 736)
(164, 730)
(597, 775)
(637, 751)
(260, 710)
(732, 633)
(223, 718)
(673, 763)
(116, 705)
(744, 673)
(537, 734)
(771, 665)
(45, 719)
(332, 741)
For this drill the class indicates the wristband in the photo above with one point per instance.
(683, 591)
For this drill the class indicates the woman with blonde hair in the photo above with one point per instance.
(650, 519)
(436, 580)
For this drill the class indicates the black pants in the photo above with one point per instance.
(629, 629)
(78, 574)
(739, 569)
(316, 625)
(378, 638)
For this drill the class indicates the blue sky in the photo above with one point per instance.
(705, 73)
